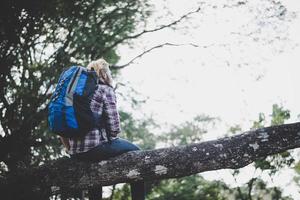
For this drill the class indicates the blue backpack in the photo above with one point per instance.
(69, 112)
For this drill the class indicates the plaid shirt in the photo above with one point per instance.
(104, 108)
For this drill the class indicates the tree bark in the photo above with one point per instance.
(228, 152)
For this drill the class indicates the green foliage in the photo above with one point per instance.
(138, 130)
(279, 115)
(123, 193)
(196, 187)
(235, 129)
(275, 162)
(260, 122)
(257, 189)
(189, 188)
(188, 132)
(297, 170)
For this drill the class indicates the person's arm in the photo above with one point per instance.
(65, 142)
(111, 114)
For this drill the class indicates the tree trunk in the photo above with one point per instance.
(229, 152)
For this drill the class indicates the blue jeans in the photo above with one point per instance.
(110, 149)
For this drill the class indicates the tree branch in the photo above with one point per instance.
(149, 31)
(149, 50)
(229, 152)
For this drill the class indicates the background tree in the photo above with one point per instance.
(39, 39)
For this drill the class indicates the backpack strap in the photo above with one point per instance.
(72, 86)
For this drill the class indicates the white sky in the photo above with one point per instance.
(235, 78)
(184, 81)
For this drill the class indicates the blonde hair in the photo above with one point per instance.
(101, 67)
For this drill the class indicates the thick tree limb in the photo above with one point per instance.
(229, 152)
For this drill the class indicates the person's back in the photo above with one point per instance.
(102, 142)
(103, 106)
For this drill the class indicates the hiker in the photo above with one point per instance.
(102, 143)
